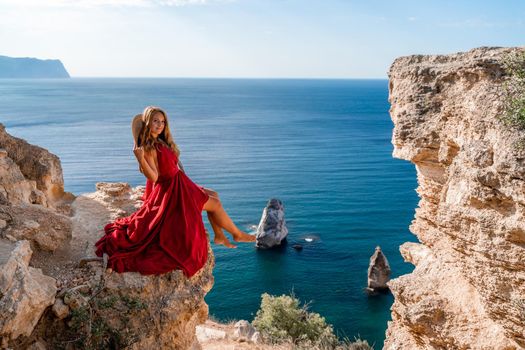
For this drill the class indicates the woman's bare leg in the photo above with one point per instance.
(219, 237)
(220, 218)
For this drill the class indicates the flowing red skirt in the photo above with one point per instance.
(166, 233)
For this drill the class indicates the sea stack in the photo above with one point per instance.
(378, 272)
(272, 229)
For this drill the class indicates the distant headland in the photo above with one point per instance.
(27, 67)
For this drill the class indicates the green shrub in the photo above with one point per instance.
(102, 323)
(514, 89)
(79, 317)
(357, 344)
(107, 302)
(281, 319)
(134, 303)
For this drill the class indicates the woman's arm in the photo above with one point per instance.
(147, 164)
(181, 167)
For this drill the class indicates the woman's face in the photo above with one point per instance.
(157, 124)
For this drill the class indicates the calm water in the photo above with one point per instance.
(321, 146)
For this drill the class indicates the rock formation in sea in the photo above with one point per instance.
(378, 272)
(272, 230)
(50, 297)
(27, 67)
(467, 290)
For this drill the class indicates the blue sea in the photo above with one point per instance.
(321, 146)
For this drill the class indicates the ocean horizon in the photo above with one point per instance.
(322, 146)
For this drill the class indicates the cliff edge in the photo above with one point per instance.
(467, 290)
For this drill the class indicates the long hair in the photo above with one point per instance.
(146, 139)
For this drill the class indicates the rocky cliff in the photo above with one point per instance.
(467, 290)
(27, 67)
(51, 296)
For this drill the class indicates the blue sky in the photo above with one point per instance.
(250, 38)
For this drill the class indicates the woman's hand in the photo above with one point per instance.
(139, 153)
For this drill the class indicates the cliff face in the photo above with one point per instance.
(33, 168)
(51, 296)
(26, 67)
(33, 203)
(468, 287)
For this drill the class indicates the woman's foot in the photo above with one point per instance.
(224, 241)
(243, 237)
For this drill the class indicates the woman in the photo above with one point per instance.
(167, 231)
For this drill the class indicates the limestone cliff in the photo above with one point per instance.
(51, 296)
(468, 287)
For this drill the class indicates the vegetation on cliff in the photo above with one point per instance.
(91, 326)
(282, 319)
(514, 90)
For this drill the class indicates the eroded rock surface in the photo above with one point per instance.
(24, 291)
(30, 174)
(44, 227)
(234, 336)
(33, 204)
(468, 288)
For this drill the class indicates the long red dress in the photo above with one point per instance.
(166, 232)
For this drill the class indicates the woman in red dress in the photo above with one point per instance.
(167, 231)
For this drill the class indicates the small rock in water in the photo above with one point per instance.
(272, 229)
(378, 272)
(297, 247)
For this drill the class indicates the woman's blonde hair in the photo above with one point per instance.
(146, 139)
